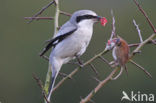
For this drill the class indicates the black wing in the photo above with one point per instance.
(55, 41)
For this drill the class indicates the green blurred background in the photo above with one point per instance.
(20, 44)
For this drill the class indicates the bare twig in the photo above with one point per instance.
(41, 11)
(146, 16)
(139, 32)
(98, 87)
(94, 69)
(142, 68)
(39, 82)
(56, 18)
(113, 34)
(143, 43)
(65, 13)
(46, 18)
(105, 60)
(64, 75)
(38, 18)
(137, 44)
(45, 57)
(96, 79)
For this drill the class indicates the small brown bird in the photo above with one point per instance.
(120, 53)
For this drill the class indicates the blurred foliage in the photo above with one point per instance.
(21, 42)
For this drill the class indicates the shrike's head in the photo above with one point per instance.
(85, 17)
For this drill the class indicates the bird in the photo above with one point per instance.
(71, 41)
(120, 53)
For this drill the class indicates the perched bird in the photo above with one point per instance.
(120, 53)
(71, 41)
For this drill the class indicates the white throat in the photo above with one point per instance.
(86, 24)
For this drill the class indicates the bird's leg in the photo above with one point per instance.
(80, 63)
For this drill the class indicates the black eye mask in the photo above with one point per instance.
(83, 17)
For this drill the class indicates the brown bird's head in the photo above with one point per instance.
(112, 43)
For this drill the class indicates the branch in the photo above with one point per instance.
(146, 16)
(99, 86)
(139, 32)
(39, 18)
(142, 68)
(77, 69)
(113, 34)
(41, 11)
(94, 69)
(65, 13)
(137, 44)
(143, 43)
(39, 82)
(46, 18)
(56, 18)
(48, 76)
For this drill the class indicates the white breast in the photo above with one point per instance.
(75, 44)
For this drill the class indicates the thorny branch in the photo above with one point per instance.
(39, 82)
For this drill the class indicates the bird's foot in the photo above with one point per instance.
(76, 63)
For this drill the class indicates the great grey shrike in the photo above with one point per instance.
(71, 41)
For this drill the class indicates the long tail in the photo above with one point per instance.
(55, 72)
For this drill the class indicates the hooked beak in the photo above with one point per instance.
(98, 18)
(103, 20)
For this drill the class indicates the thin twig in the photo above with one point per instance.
(98, 87)
(45, 57)
(41, 11)
(137, 44)
(146, 16)
(39, 18)
(143, 43)
(139, 32)
(142, 68)
(104, 60)
(64, 75)
(113, 34)
(65, 13)
(96, 79)
(94, 69)
(39, 82)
